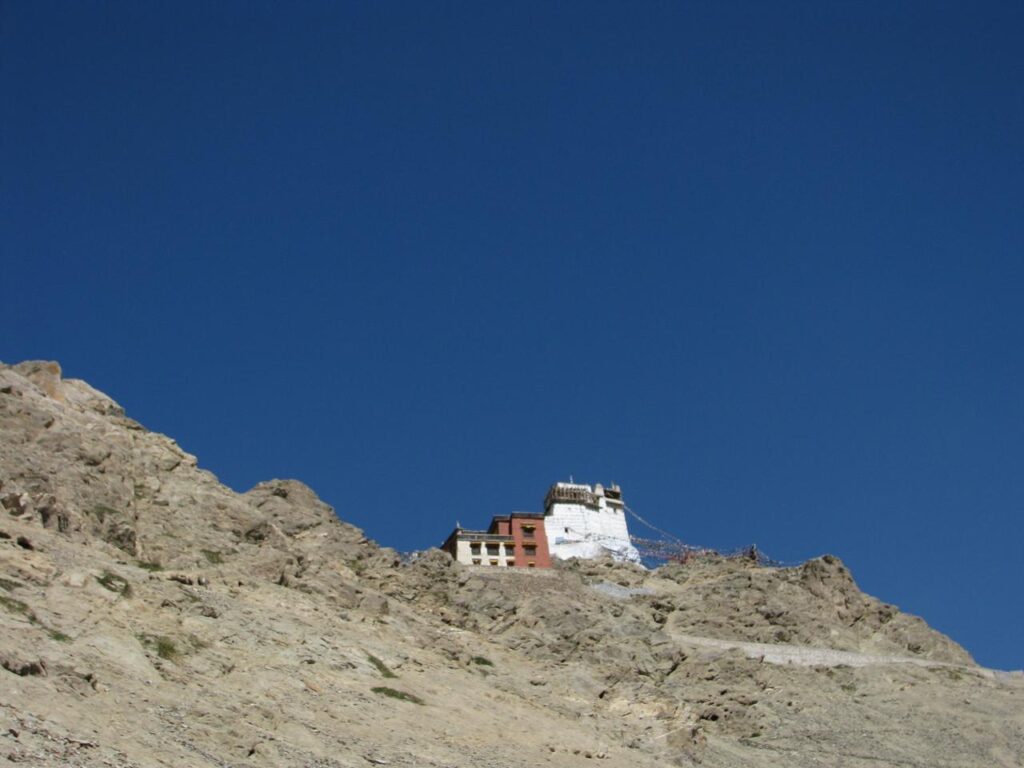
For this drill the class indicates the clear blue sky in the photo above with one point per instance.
(762, 264)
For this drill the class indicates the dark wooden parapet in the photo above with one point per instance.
(570, 494)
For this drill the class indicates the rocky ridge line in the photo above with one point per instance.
(151, 616)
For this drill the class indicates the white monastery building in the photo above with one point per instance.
(587, 521)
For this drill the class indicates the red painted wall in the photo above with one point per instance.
(542, 559)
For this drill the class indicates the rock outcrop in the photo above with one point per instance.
(151, 616)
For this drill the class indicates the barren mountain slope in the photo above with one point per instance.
(151, 616)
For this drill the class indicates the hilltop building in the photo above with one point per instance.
(578, 521)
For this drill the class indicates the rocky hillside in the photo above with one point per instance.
(150, 616)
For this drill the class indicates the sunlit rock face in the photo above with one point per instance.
(151, 616)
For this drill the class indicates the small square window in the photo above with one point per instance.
(476, 561)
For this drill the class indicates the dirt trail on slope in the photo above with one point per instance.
(810, 656)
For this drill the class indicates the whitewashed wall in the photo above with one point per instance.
(464, 554)
(575, 530)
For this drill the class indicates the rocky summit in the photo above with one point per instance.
(151, 616)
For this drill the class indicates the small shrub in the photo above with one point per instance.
(381, 666)
(59, 636)
(212, 556)
(9, 584)
(163, 646)
(150, 565)
(115, 583)
(483, 662)
(400, 695)
(16, 606)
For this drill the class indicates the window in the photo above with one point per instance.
(492, 549)
(528, 531)
(530, 550)
(531, 564)
(494, 562)
(476, 561)
(474, 547)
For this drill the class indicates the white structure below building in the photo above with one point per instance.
(585, 521)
